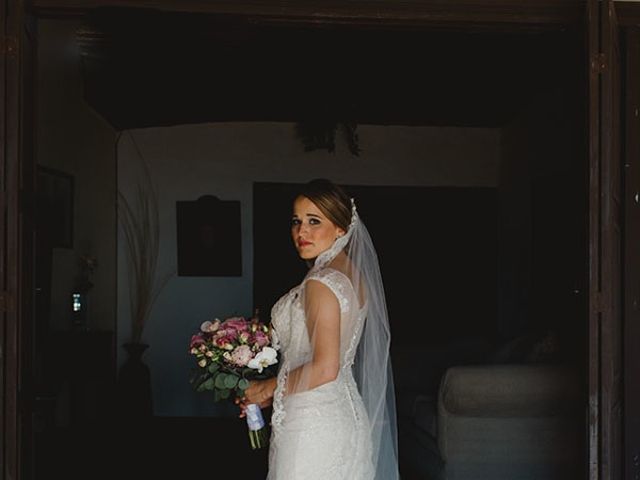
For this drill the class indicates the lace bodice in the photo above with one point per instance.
(289, 322)
(288, 319)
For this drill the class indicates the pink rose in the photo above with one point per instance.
(261, 338)
(196, 341)
(220, 333)
(228, 335)
(236, 323)
(242, 355)
(233, 336)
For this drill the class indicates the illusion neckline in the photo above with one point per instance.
(360, 307)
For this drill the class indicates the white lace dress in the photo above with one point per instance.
(322, 433)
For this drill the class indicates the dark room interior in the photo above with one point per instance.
(484, 276)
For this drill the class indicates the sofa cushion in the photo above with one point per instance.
(508, 390)
(514, 448)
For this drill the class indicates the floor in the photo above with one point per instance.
(161, 448)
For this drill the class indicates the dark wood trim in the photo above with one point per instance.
(6, 428)
(26, 279)
(611, 368)
(605, 238)
(628, 13)
(11, 317)
(593, 129)
(382, 12)
(632, 254)
(16, 246)
(605, 244)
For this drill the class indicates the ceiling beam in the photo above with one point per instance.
(402, 12)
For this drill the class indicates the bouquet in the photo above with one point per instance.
(229, 353)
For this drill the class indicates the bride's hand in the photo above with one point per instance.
(259, 392)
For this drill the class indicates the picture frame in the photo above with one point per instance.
(209, 238)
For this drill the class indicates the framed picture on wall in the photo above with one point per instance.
(54, 200)
(209, 238)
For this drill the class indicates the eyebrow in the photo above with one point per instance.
(309, 215)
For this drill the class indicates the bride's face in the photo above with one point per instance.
(311, 230)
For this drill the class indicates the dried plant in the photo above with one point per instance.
(140, 222)
(320, 134)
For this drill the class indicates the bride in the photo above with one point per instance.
(333, 400)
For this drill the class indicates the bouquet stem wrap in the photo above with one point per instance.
(256, 424)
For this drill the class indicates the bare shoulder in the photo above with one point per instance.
(330, 282)
(318, 288)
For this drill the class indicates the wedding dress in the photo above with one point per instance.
(343, 429)
(322, 433)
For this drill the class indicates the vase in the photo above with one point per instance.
(134, 384)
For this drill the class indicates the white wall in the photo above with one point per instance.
(224, 160)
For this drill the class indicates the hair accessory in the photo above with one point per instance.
(354, 213)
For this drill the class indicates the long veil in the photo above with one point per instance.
(365, 340)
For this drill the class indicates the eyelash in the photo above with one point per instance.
(312, 221)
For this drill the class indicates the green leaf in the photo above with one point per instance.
(221, 380)
(243, 384)
(224, 394)
(208, 384)
(230, 381)
(213, 368)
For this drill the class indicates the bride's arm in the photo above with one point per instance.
(322, 312)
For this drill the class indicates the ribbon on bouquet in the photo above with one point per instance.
(256, 424)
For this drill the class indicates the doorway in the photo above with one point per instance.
(525, 176)
(545, 242)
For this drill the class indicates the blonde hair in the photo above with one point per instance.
(331, 199)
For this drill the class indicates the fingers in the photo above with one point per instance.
(242, 403)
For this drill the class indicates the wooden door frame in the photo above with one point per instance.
(631, 326)
(494, 15)
(605, 238)
(10, 243)
(17, 194)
